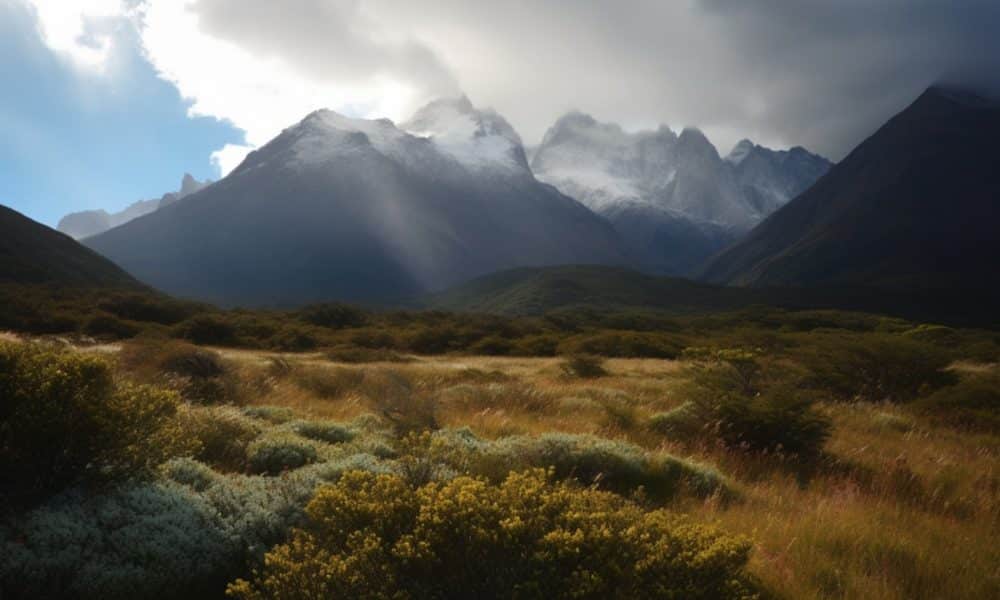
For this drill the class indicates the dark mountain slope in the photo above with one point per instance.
(31, 253)
(336, 208)
(914, 208)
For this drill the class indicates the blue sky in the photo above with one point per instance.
(74, 139)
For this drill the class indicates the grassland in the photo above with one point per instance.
(902, 508)
(900, 498)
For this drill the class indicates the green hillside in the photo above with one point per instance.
(530, 291)
(31, 253)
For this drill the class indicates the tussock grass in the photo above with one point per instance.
(903, 500)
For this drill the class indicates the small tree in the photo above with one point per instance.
(736, 399)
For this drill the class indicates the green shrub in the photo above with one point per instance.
(109, 326)
(149, 308)
(584, 366)
(324, 431)
(680, 422)
(199, 374)
(623, 344)
(223, 433)
(536, 345)
(373, 536)
(433, 340)
(734, 399)
(877, 367)
(191, 361)
(371, 337)
(277, 451)
(207, 329)
(333, 316)
(64, 420)
(271, 414)
(294, 339)
(608, 464)
(973, 404)
(360, 354)
(492, 345)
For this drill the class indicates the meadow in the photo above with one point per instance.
(760, 453)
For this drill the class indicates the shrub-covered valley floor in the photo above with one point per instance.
(820, 467)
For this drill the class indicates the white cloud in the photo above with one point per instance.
(815, 72)
(74, 28)
(229, 157)
(261, 90)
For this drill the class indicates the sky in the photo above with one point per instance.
(106, 102)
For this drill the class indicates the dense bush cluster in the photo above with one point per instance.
(877, 367)
(374, 536)
(350, 334)
(733, 398)
(65, 420)
(972, 404)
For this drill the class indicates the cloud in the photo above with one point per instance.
(79, 30)
(819, 73)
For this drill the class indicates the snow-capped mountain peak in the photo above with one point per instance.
(740, 151)
(475, 138)
(671, 196)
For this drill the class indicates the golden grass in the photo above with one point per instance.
(902, 509)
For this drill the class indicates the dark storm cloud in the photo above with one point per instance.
(831, 72)
(823, 74)
(325, 39)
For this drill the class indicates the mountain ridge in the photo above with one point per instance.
(362, 210)
(83, 224)
(31, 253)
(879, 219)
(672, 197)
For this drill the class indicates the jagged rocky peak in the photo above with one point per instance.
(476, 138)
(88, 223)
(740, 151)
(450, 129)
(671, 196)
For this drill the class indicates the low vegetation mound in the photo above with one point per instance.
(374, 536)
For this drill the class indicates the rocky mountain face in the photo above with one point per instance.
(914, 207)
(363, 210)
(84, 224)
(673, 199)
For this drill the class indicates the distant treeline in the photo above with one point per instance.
(354, 334)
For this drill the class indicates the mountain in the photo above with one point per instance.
(31, 253)
(671, 197)
(363, 210)
(84, 224)
(914, 208)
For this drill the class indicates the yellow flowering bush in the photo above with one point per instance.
(65, 420)
(372, 536)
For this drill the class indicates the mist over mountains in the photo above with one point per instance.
(672, 197)
(338, 208)
(86, 223)
(365, 211)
